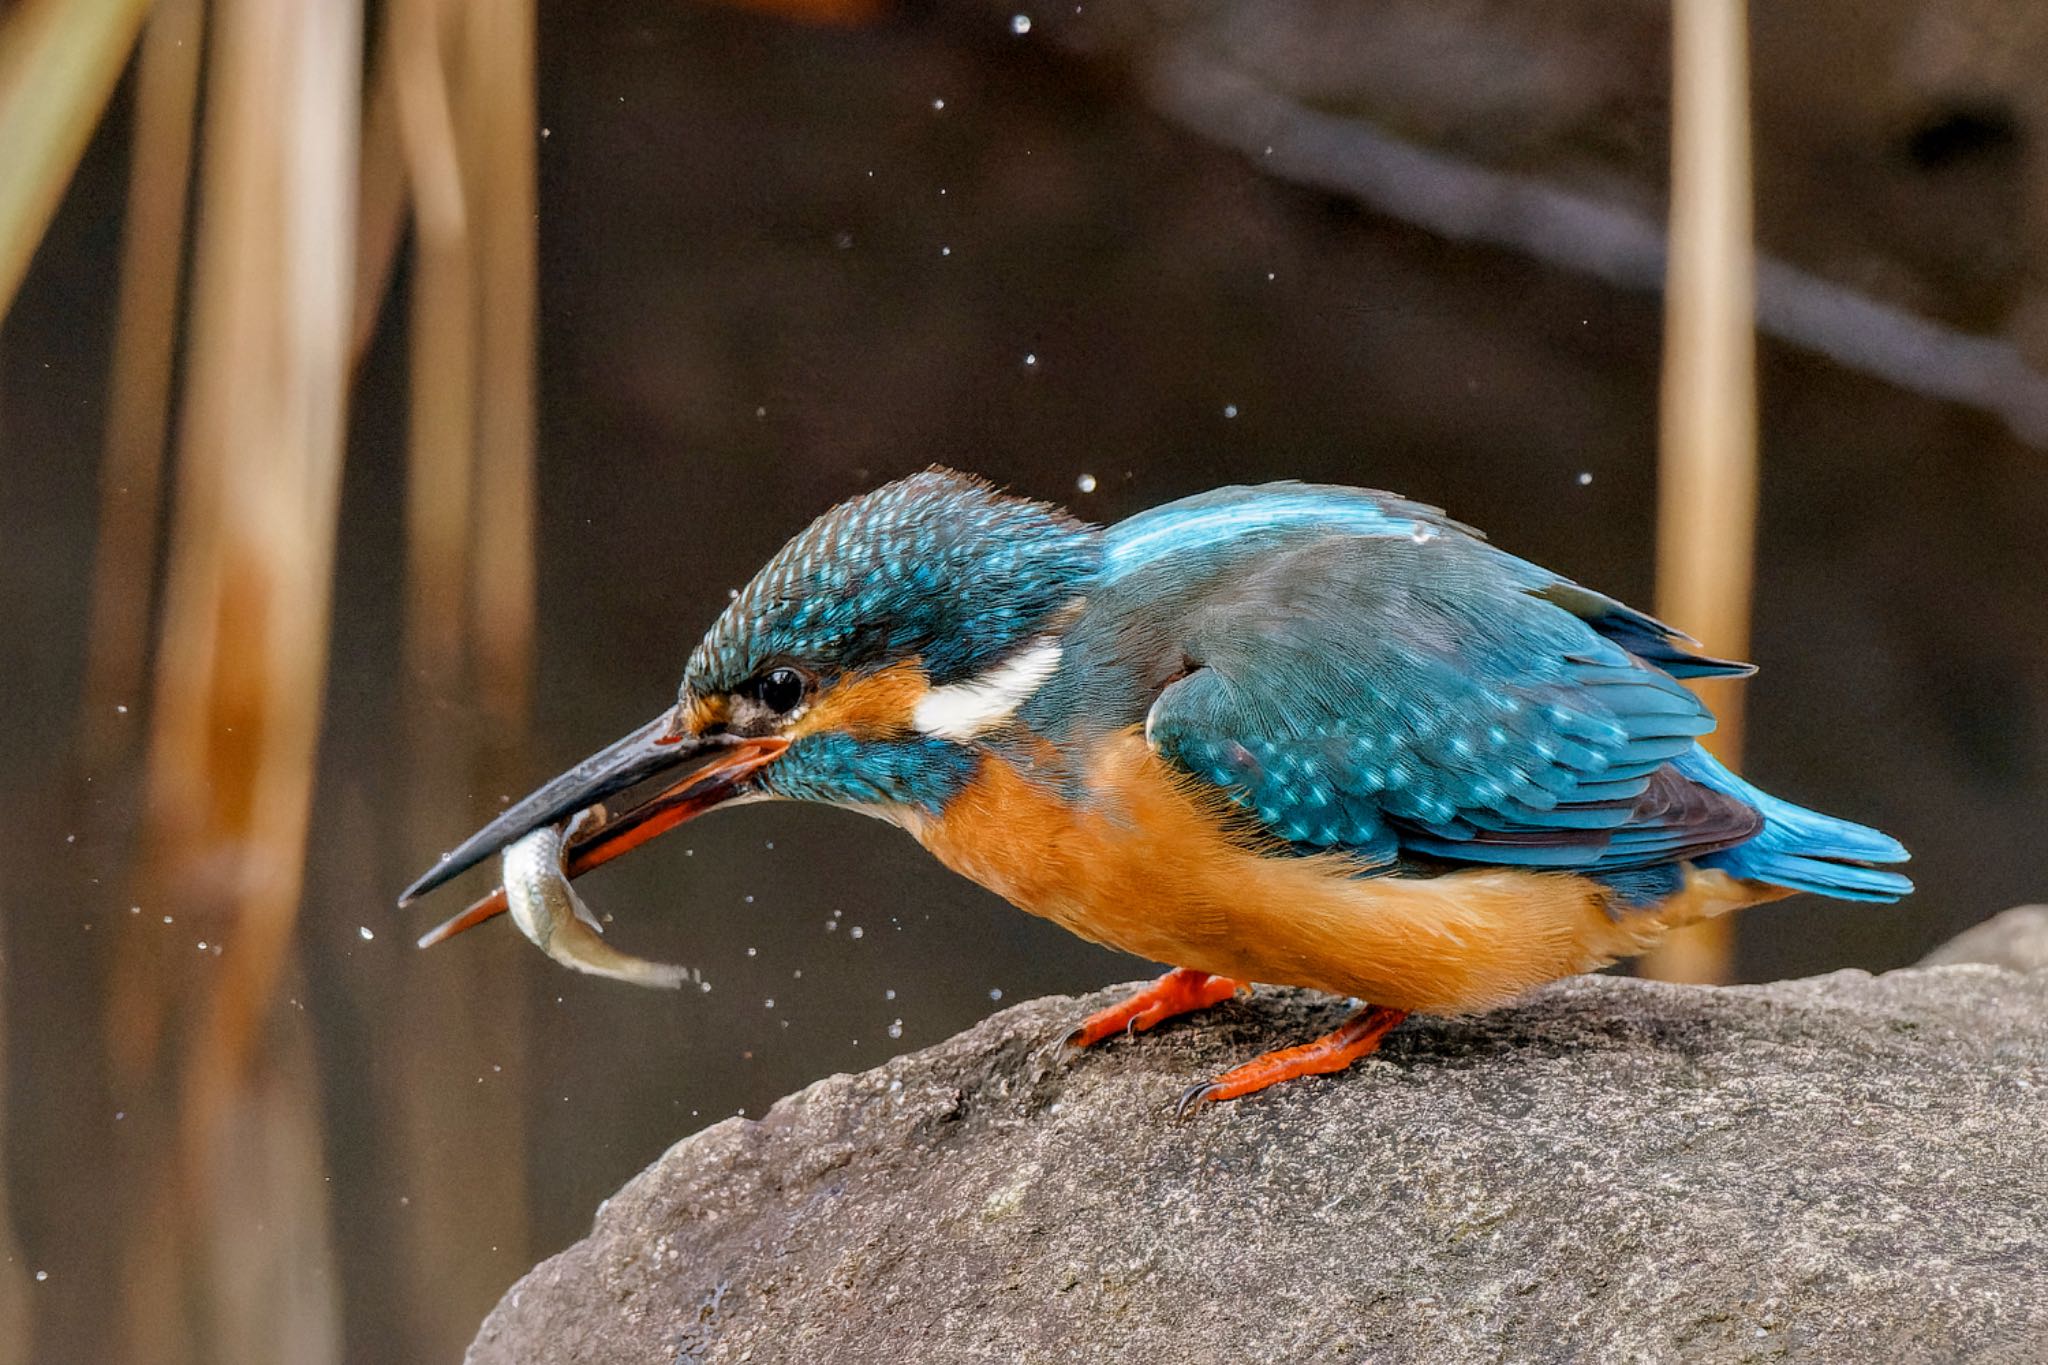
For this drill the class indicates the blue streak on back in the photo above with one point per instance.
(1231, 524)
(1241, 517)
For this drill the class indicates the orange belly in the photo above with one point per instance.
(1146, 862)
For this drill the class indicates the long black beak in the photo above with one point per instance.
(649, 752)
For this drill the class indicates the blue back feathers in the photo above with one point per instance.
(1363, 674)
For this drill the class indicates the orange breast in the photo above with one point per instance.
(1147, 862)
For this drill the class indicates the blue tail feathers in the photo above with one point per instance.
(1799, 848)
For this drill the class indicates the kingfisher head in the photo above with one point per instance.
(865, 665)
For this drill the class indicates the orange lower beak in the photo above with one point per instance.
(713, 783)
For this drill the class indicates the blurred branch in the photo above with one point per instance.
(59, 61)
(1707, 466)
(145, 341)
(1464, 201)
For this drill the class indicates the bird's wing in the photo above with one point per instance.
(1395, 694)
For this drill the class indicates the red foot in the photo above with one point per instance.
(1180, 991)
(1354, 1038)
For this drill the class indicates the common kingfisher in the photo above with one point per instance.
(1297, 734)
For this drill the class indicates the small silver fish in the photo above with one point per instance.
(547, 910)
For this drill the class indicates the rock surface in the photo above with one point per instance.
(1842, 1169)
(2017, 938)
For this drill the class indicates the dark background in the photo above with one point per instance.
(746, 315)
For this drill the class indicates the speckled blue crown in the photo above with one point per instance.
(939, 565)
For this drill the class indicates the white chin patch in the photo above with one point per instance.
(964, 710)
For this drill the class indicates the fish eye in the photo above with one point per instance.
(780, 690)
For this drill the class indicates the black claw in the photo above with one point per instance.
(1193, 1098)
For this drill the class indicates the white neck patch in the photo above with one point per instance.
(964, 710)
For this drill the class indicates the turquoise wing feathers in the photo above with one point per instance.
(1389, 698)
(1362, 675)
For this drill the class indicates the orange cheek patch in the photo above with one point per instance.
(872, 705)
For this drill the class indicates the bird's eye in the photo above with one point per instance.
(780, 690)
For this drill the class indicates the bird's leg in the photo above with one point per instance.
(1181, 991)
(1354, 1038)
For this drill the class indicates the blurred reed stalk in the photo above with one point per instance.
(228, 1257)
(59, 62)
(139, 381)
(1707, 473)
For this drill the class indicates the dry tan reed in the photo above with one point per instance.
(139, 383)
(1707, 474)
(59, 60)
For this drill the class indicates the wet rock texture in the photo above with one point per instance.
(1844, 1168)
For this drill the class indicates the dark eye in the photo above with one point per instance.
(780, 690)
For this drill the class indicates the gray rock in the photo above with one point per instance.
(1842, 1169)
(2017, 938)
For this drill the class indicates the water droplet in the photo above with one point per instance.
(995, 992)
(122, 709)
(42, 1275)
(167, 919)
(896, 1029)
(749, 899)
(945, 251)
(769, 1003)
(889, 994)
(855, 932)
(202, 945)
(937, 104)
(1020, 24)
(362, 929)
(1086, 483)
(1585, 477)
(1030, 357)
(753, 952)
(1230, 409)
